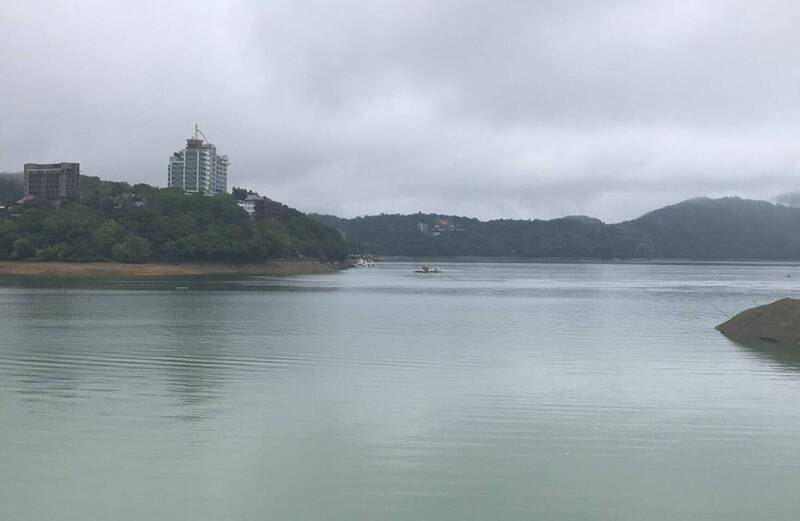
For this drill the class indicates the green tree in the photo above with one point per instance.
(9, 232)
(239, 194)
(133, 249)
(23, 249)
(56, 252)
(107, 235)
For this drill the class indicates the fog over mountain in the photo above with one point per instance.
(493, 109)
(789, 199)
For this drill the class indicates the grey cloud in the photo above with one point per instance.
(493, 109)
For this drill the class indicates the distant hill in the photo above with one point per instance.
(722, 229)
(11, 187)
(452, 236)
(700, 229)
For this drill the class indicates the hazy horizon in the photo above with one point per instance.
(514, 109)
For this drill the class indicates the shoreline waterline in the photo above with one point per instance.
(113, 269)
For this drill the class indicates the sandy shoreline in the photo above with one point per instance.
(112, 269)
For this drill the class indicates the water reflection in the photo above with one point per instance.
(35, 326)
(63, 344)
(191, 349)
(784, 356)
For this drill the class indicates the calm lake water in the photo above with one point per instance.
(489, 391)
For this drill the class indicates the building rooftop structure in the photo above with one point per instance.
(198, 168)
(52, 181)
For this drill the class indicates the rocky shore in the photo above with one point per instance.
(775, 323)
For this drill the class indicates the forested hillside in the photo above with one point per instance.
(440, 235)
(140, 223)
(700, 229)
(728, 228)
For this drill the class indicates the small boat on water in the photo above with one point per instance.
(428, 269)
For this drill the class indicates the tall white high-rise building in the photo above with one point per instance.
(198, 167)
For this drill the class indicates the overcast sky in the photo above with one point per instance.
(521, 109)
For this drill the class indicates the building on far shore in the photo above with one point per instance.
(256, 205)
(198, 168)
(54, 182)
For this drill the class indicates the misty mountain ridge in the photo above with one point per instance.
(702, 228)
(789, 199)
